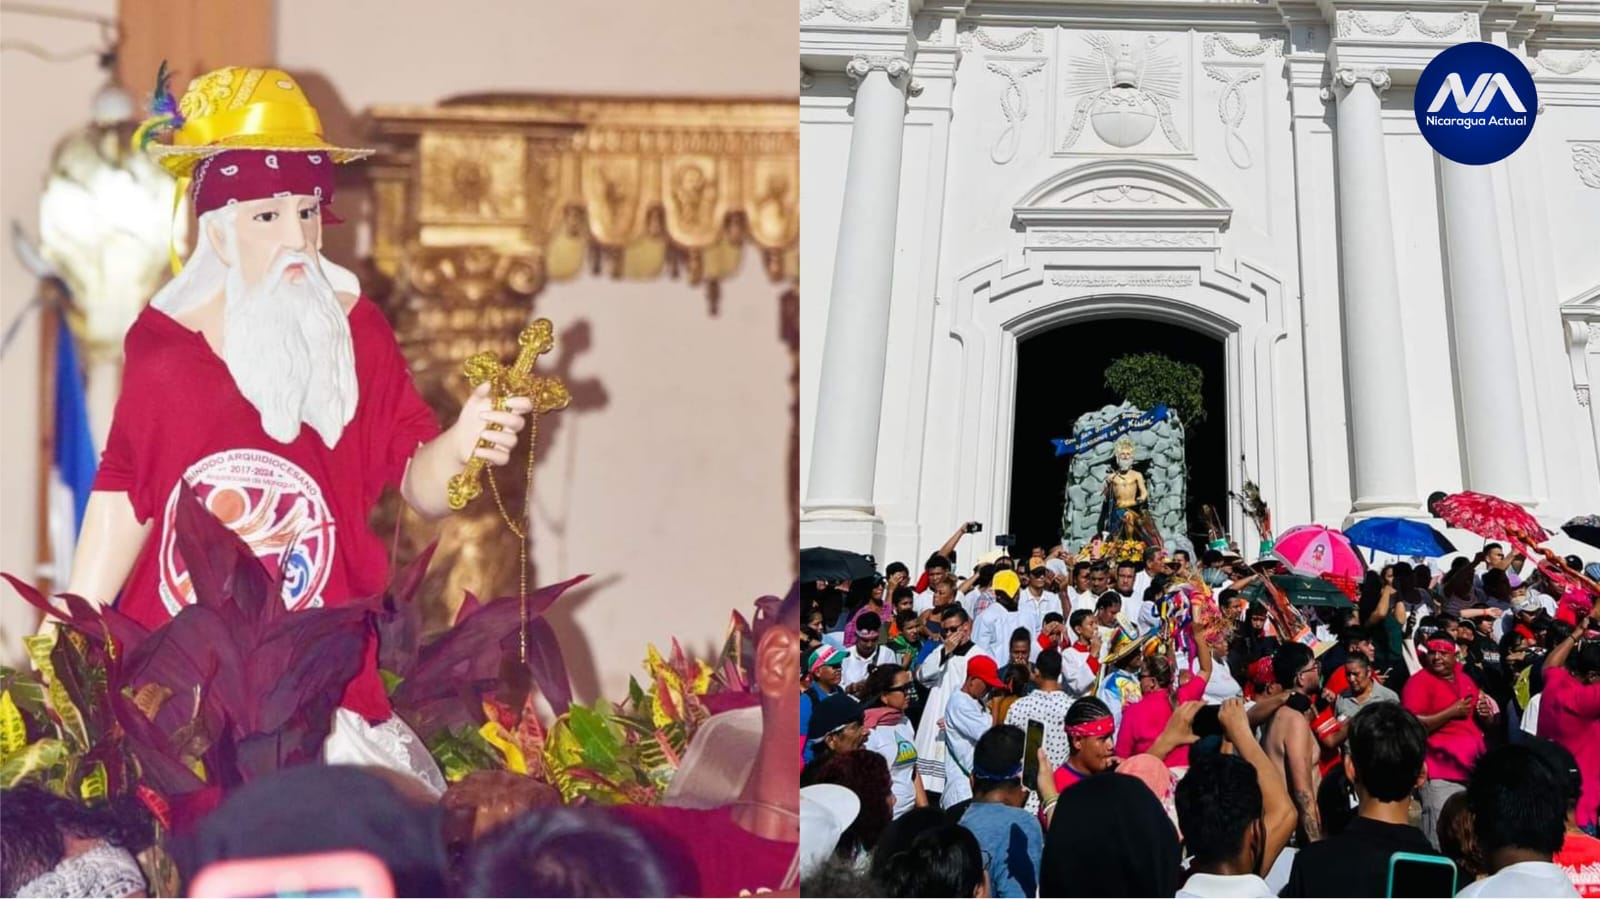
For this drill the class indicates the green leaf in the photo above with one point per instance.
(1150, 379)
(13, 732)
(94, 783)
(636, 695)
(71, 719)
(25, 690)
(391, 681)
(39, 647)
(598, 743)
(40, 755)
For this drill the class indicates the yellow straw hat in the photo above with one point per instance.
(234, 108)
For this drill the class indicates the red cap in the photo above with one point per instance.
(983, 668)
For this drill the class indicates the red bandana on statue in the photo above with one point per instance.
(239, 176)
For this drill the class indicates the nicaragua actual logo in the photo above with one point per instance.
(1475, 103)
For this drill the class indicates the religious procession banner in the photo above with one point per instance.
(1128, 423)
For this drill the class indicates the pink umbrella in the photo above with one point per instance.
(1315, 550)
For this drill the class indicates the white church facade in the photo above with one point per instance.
(1392, 323)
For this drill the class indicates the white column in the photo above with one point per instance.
(844, 448)
(1380, 413)
(1485, 373)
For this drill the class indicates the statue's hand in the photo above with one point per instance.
(474, 434)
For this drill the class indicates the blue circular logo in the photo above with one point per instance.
(1475, 103)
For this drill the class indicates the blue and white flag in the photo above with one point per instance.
(1128, 422)
(73, 457)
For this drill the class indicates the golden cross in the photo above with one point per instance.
(547, 394)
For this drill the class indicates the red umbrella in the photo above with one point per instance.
(1489, 517)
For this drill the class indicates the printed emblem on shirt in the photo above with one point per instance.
(274, 507)
(905, 753)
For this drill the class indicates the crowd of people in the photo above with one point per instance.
(1034, 727)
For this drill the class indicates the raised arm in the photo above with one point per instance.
(1278, 813)
(950, 545)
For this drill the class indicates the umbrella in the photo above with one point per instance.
(1489, 517)
(1313, 549)
(820, 563)
(1302, 591)
(1585, 528)
(1400, 537)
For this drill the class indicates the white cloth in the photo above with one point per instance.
(992, 630)
(1077, 678)
(1523, 879)
(1530, 716)
(1221, 685)
(1033, 612)
(855, 668)
(897, 745)
(922, 602)
(1282, 867)
(965, 720)
(1050, 709)
(1084, 600)
(1149, 616)
(389, 744)
(941, 678)
(1141, 583)
(101, 870)
(1203, 885)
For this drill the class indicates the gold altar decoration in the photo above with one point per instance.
(479, 203)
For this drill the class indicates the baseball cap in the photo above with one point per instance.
(824, 656)
(826, 812)
(1007, 582)
(834, 713)
(982, 668)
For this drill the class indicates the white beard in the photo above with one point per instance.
(287, 344)
(1124, 464)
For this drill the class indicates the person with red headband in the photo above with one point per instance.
(262, 378)
(1450, 706)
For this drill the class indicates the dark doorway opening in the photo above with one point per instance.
(1061, 375)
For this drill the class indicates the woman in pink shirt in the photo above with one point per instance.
(1143, 721)
(1569, 712)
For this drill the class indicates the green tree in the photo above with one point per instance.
(1150, 379)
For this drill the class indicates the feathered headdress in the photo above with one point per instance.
(165, 117)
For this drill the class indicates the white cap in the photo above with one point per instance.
(826, 812)
(990, 557)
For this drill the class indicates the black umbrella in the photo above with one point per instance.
(821, 563)
(1585, 528)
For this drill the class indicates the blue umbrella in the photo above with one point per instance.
(1399, 536)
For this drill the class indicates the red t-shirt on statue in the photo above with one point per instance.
(299, 505)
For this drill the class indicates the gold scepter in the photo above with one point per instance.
(547, 395)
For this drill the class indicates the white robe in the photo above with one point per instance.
(940, 678)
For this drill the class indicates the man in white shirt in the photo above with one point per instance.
(1519, 818)
(1080, 595)
(1155, 562)
(942, 674)
(867, 653)
(966, 718)
(992, 631)
(1035, 603)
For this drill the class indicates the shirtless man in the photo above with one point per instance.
(1290, 742)
(1125, 488)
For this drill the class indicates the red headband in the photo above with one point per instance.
(1441, 646)
(1099, 727)
(238, 176)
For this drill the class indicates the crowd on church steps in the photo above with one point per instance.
(1442, 728)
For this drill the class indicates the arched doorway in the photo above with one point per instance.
(1060, 375)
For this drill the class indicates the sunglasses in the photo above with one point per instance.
(903, 688)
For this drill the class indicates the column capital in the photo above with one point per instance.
(896, 67)
(1346, 77)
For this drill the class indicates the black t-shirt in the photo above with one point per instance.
(1354, 863)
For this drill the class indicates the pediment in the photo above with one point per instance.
(1122, 192)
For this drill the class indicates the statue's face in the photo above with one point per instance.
(271, 228)
(1124, 460)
